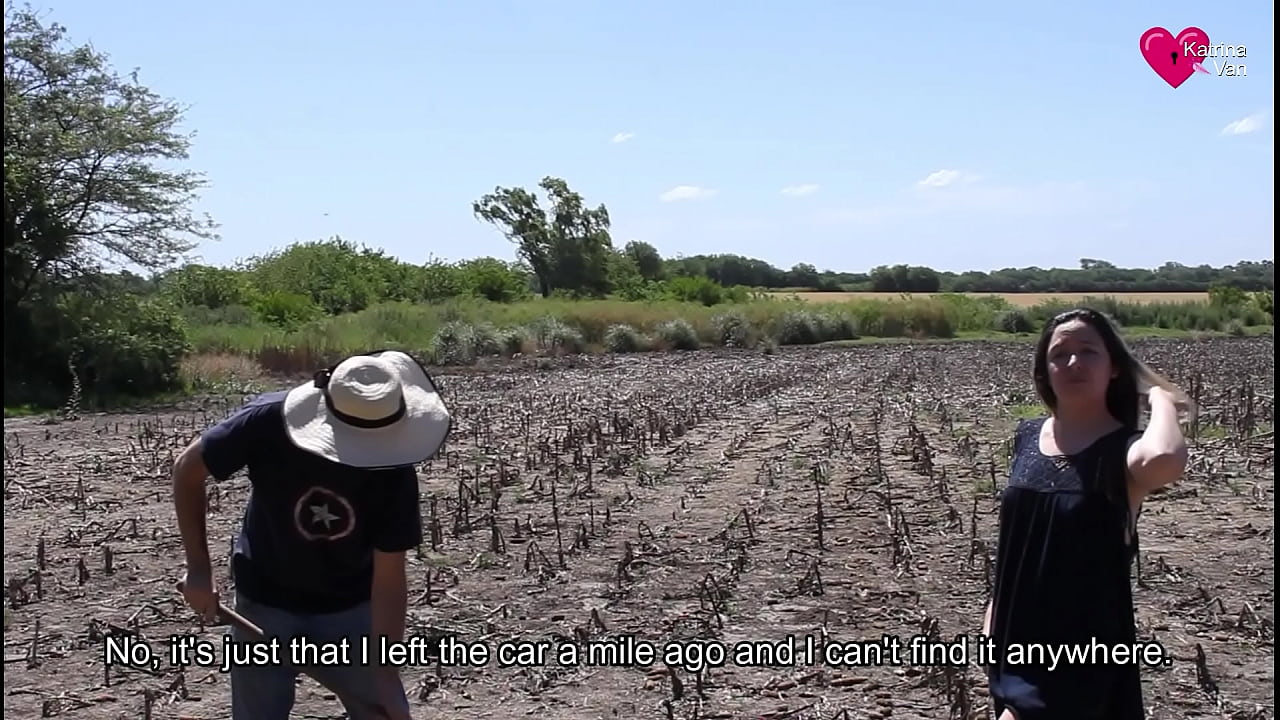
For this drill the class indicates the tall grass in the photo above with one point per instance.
(460, 330)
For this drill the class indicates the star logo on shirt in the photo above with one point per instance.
(322, 514)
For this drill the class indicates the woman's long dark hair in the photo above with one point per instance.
(1134, 378)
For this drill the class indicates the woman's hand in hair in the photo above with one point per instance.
(1159, 456)
(1160, 395)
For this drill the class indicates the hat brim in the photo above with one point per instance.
(413, 439)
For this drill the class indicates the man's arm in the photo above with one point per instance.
(399, 524)
(398, 528)
(189, 500)
(221, 451)
(389, 605)
(390, 599)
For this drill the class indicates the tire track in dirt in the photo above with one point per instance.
(857, 552)
(941, 512)
(795, 580)
(700, 596)
(707, 505)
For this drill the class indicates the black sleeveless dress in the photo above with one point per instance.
(1062, 577)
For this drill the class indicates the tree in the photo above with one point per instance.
(494, 280)
(905, 279)
(81, 147)
(803, 275)
(84, 189)
(645, 256)
(567, 246)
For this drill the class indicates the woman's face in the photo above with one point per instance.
(1079, 365)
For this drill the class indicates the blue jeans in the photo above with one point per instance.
(267, 693)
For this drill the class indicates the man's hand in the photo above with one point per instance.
(200, 594)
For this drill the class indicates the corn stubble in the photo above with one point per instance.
(685, 498)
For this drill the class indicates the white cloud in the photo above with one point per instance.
(941, 178)
(686, 192)
(944, 178)
(1244, 125)
(622, 137)
(800, 190)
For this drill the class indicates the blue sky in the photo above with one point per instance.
(847, 134)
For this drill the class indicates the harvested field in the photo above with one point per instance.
(843, 494)
(1015, 299)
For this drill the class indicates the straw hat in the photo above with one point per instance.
(370, 411)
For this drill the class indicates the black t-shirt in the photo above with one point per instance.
(311, 525)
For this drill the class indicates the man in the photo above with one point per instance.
(332, 510)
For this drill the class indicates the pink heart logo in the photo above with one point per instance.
(1173, 58)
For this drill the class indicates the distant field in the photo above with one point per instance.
(1018, 299)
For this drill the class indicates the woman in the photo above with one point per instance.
(1068, 522)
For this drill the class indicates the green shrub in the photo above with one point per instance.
(678, 334)
(733, 330)
(453, 344)
(487, 340)
(836, 326)
(557, 337)
(798, 327)
(122, 345)
(1013, 321)
(286, 309)
(623, 339)
(697, 289)
(517, 340)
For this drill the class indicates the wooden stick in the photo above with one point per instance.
(233, 617)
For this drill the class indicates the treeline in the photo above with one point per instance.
(1093, 276)
(567, 248)
(306, 281)
(310, 280)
